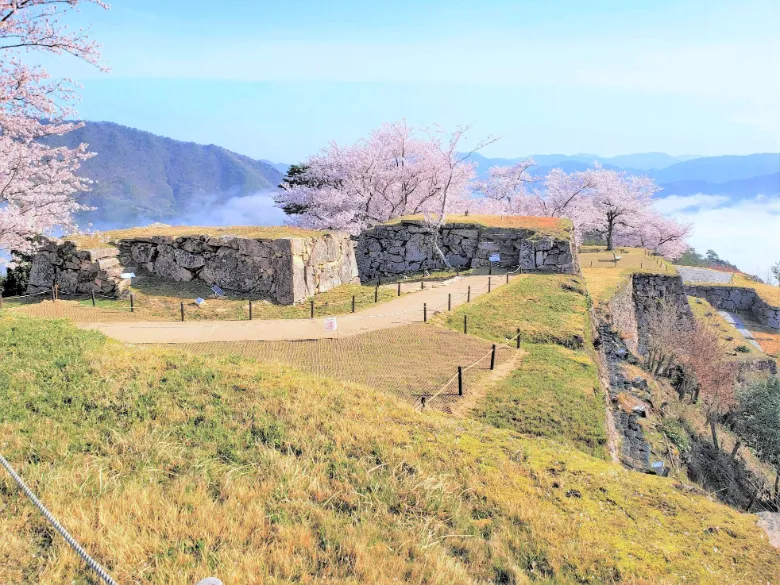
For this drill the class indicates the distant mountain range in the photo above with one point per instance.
(732, 175)
(141, 177)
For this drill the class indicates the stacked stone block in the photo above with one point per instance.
(286, 270)
(410, 246)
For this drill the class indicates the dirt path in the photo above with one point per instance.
(403, 310)
(471, 399)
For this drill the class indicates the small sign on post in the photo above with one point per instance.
(495, 257)
(331, 324)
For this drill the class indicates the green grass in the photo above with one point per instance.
(159, 300)
(170, 466)
(553, 393)
(731, 339)
(548, 308)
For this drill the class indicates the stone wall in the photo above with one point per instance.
(737, 298)
(409, 246)
(76, 271)
(641, 301)
(285, 270)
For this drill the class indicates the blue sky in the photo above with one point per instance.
(278, 79)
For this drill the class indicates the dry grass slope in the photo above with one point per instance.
(603, 275)
(170, 466)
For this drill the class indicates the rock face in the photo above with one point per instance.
(737, 298)
(286, 270)
(410, 246)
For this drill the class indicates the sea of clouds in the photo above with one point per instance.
(745, 232)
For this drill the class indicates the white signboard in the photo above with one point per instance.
(200, 302)
(330, 324)
(495, 257)
(127, 275)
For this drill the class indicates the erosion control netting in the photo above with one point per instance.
(397, 360)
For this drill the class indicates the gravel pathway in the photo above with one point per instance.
(737, 323)
(399, 311)
(703, 275)
(770, 522)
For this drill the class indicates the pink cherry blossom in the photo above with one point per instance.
(38, 182)
(397, 170)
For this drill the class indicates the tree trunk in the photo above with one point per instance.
(714, 432)
(438, 250)
(737, 445)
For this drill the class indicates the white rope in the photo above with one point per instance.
(43, 292)
(467, 368)
(93, 564)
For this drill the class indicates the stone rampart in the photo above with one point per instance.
(643, 300)
(410, 246)
(737, 298)
(285, 270)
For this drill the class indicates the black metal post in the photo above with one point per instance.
(422, 284)
(311, 311)
(182, 311)
(490, 269)
(493, 358)
(376, 294)
(507, 277)
(250, 310)
(93, 298)
(425, 312)
(490, 278)
(449, 302)
(460, 380)
(399, 289)
(518, 338)
(132, 303)
(465, 324)
(468, 295)
(353, 303)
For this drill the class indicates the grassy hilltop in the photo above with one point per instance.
(174, 465)
(266, 463)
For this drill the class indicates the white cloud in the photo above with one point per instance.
(745, 232)
(677, 203)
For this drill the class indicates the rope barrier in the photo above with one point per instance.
(43, 292)
(93, 564)
(466, 369)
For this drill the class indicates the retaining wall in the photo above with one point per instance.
(737, 298)
(409, 246)
(285, 270)
(640, 300)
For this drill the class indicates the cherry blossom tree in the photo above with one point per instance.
(663, 235)
(397, 170)
(38, 182)
(506, 188)
(616, 205)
